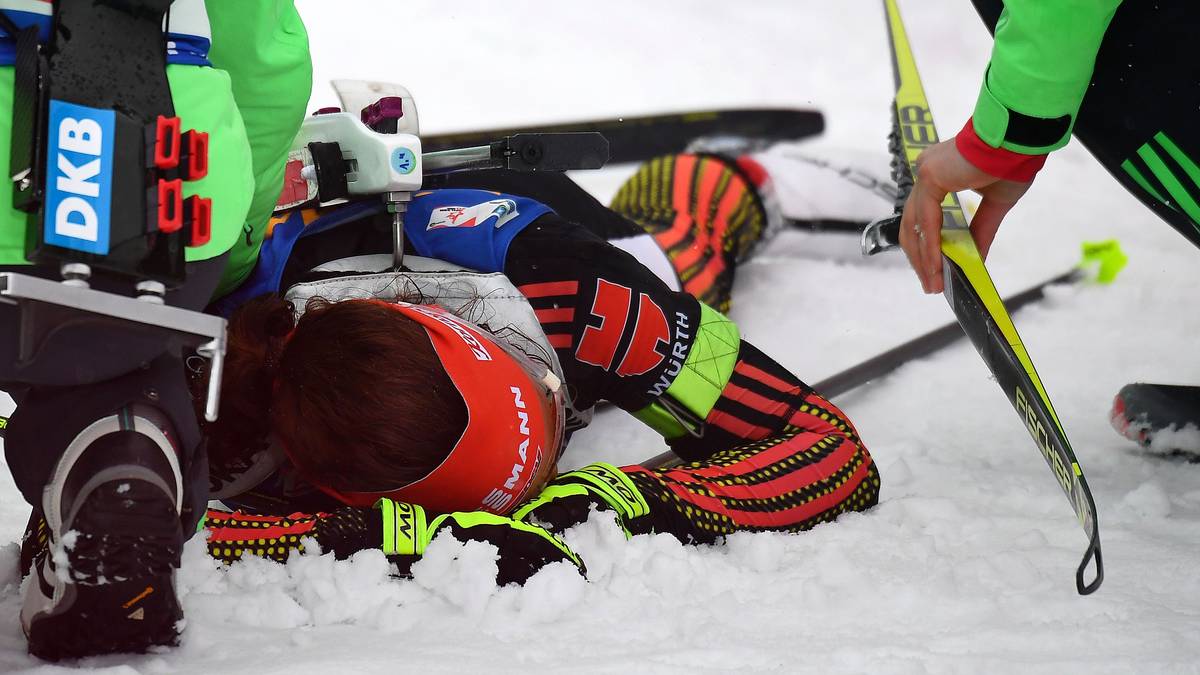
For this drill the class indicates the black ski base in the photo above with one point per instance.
(1164, 418)
(636, 139)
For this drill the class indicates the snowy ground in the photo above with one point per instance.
(967, 564)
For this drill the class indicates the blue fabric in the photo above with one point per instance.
(8, 46)
(277, 247)
(189, 50)
(472, 228)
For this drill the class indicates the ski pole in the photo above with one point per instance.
(889, 361)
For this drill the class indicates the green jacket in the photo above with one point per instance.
(251, 102)
(1042, 61)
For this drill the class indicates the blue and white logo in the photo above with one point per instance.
(403, 160)
(79, 177)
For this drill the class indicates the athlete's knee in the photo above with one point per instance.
(866, 495)
(865, 474)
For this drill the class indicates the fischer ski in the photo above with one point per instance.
(636, 139)
(980, 311)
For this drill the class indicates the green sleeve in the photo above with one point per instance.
(705, 372)
(203, 100)
(263, 46)
(1042, 62)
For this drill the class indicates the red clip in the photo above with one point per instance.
(295, 188)
(199, 217)
(166, 143)
(170, 205)
(197, 145)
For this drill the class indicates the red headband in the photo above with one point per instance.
(513, 428)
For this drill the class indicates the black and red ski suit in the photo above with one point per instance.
(770, 453)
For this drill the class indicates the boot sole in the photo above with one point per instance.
(121, 549)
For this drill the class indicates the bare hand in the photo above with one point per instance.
(941, 169)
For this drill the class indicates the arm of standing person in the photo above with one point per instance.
(263, 46)
(1042, 61)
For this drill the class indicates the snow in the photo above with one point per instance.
(1173, 438)
(967, 564)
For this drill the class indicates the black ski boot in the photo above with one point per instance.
(106, 545)
(1164, 418)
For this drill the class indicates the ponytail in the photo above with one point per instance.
(257, 336)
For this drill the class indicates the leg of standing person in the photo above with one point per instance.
(105, 446)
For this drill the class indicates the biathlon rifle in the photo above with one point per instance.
(377, 152)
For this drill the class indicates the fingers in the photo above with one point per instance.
(998, 200)
(940, 170)
(929, 217)
(921, 235)
(986, 223)
(909, 237)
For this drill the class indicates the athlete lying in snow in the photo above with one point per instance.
(364, 394)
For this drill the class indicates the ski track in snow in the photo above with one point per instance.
(967, 564)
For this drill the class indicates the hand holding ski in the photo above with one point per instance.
(942, 170)
(971, 294)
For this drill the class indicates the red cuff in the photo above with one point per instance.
(998, 162)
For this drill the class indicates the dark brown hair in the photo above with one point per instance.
(355, 392)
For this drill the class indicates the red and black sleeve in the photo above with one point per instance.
(620, 333)
(775, 456)
(345, 531)
(617, 329)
